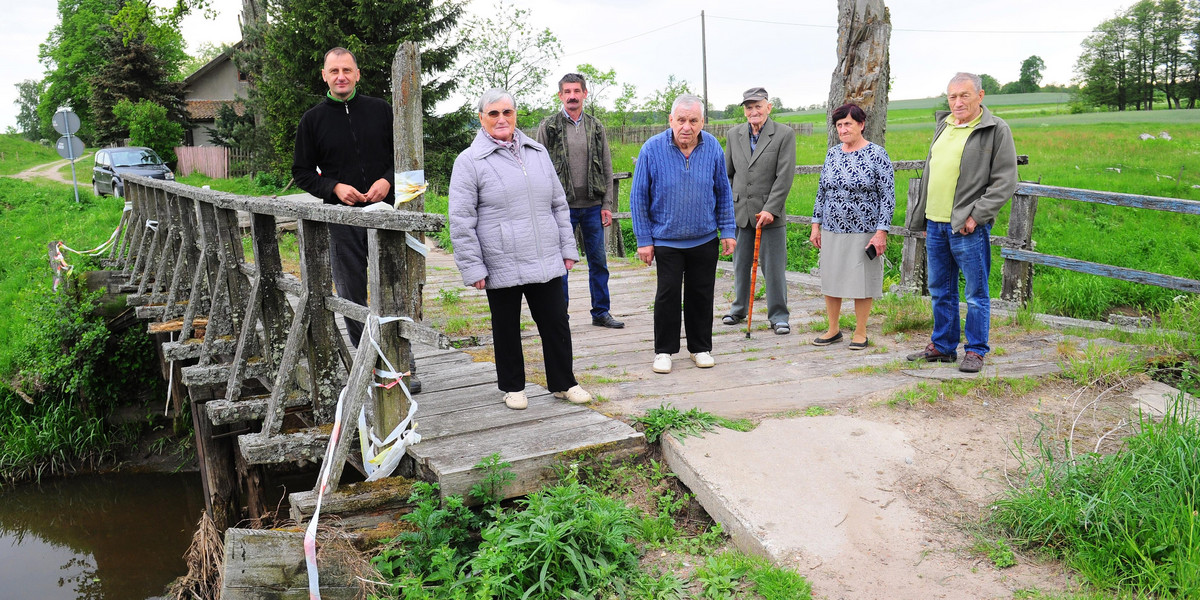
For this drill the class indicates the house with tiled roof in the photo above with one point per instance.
(213, 85)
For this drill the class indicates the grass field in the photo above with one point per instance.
(17, 154)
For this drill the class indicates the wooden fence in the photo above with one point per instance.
(212, 161)
(1016, 248)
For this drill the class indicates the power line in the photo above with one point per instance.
(970, 31)
(645, 33)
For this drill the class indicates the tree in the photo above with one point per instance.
(623, 105)
(599, 83)
(508, 53)
(990, 85)
(776, 105)
(133, 71)
(1102, 68)
(149, 126)
(1031, 73)
(659, 102)
(231, 129)
(205, 53)
(29, 92)
(72, 53)
(286, 52)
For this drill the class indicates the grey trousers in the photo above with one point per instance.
(772, 259)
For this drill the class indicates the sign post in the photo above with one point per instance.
(69, 147)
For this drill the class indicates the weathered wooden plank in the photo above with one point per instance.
(307, 445)
(1017, 276)
(438, 405)
(273, 412)
(414, 332)
(390, 494)
(489, 414)
(269, 565)
(219, 374)
(391, 220)
(1082, 266)
(533, 448)
(322, 334)
(898, 165)
(150, 313)
(913, 266)
(1175, 205)
(189, 349)
(253, 408)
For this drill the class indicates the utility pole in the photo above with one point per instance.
(704, 64)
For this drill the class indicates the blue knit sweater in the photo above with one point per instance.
(677, 201)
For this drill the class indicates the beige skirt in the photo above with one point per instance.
(846, 272)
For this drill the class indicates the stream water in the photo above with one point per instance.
(110, 537)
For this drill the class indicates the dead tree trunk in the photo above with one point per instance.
(862, 72)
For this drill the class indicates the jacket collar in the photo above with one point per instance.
(481, 147)
(986, 119)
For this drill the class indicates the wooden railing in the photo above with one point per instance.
(246, 321)
(1016, 248)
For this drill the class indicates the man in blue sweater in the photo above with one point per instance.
(682, 205)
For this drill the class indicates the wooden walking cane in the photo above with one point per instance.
(753, 277)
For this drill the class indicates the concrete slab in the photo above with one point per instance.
(1156, 399)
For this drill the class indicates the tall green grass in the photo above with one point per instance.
(20, 154)
(61, 370)
(1125, 522)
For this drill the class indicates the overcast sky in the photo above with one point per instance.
(787, 46)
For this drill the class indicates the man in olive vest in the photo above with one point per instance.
(579, 150)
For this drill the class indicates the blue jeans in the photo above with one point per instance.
(949, 253)
(590, 225)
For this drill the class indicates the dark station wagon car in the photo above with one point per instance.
(113, 163)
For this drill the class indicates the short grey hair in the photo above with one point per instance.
(495, 95)
(683, 100)
(961, 77)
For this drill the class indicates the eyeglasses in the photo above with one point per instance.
(508, 113)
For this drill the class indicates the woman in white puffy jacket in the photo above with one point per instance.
(511, 230)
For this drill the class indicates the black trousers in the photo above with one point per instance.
(549, 309)
(695, 271)
(348, 257)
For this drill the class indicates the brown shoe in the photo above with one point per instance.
(932, 354)
(971, 363)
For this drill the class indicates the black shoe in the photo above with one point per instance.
(607, 321)
(932, 354)
(731, 319)
(414, 384)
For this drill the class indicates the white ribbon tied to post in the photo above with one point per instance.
(380, 457)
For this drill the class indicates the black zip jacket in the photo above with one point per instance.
(351, 143)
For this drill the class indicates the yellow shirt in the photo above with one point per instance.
(944, 161)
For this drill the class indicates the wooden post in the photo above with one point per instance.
(861, 75)
(913, 273)
(613, 234)
(1016, 275)
(396, 273)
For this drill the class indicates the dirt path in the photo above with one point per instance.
(52, 172)
(883, 497)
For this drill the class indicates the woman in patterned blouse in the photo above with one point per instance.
(855, 202)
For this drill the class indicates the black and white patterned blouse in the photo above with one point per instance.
(857, 193)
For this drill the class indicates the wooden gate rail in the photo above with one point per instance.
(242, 321)
(1024, 258)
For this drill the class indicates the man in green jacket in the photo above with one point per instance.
(970, 174)
(579, 150)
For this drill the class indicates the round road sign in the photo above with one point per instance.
(69, 147)
(66, 122)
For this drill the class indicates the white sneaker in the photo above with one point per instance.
(516, 400)
(662, 363)
(703, 360)
(575, 395)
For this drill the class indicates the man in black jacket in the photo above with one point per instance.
(344, 155)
